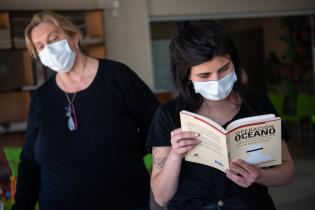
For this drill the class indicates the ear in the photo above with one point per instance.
(77, 39)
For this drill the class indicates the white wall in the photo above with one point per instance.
(128, 37)
(227, 8)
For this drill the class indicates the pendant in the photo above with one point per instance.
(71, 124)
(72, 119)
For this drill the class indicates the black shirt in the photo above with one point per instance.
(99, 165)
(200, 184)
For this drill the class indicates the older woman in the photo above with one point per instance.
(86, 130)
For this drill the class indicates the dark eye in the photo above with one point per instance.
(224, 68)
(53, 38)
(204, 76)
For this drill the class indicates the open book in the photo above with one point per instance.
(256, 140)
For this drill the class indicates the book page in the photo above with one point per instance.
(247, 120)
(212, 150)
(258, 144)
(206, 120)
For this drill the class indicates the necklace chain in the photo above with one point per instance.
(75, 93)
(72, 99)
(70, 110)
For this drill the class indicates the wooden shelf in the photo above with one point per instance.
(16, 69)
(96, 51)
(5, 40)
(14, 106)
(94, 24)
(13, 127)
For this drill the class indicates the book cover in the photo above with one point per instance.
(257, 140)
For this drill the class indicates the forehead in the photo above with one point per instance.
(212, 65)
(42, 31)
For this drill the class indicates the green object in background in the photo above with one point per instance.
(305, 105)
(278, 102)
(7, 205)
(304, 109)
(148, 161)
(13, 156)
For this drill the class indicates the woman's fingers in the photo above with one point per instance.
(242, 173)
(176, 131)
(183, 141)
(182, 135)
(239, 171)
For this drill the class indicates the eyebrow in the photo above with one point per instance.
(203, 73)
(51, 33)
(226, 64)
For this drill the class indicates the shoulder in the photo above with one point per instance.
(118, 73)
(169, 107)
(35, 108)
(46, 87)
(162, 125)
(257, 101)
(254, 96)
(45, 94)
(111, 63)
(167, 112)
(115, 67)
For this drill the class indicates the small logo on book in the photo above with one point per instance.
(218, 163)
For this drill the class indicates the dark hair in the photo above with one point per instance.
(192, 44)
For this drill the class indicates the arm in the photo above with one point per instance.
(165, 173)
(140, 101)
(167, 164)
(28, 180)
(245, 174)
(282, 174)
(28, 184)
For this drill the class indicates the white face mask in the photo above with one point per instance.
(216, 90)
(58, 56)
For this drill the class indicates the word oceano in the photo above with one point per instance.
(254, 132)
